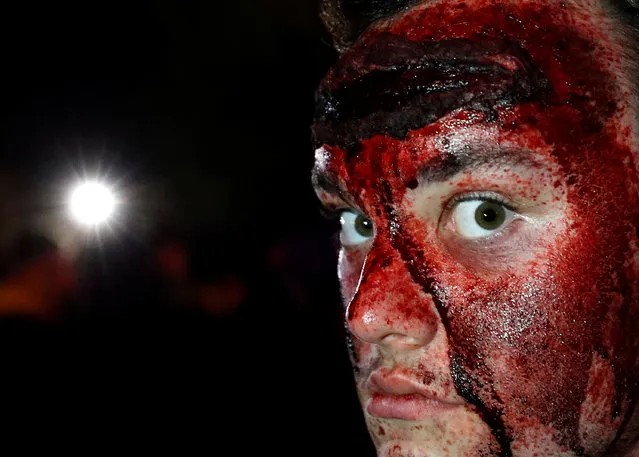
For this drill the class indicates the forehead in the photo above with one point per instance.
(491, 57)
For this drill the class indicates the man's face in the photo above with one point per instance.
(481, 156)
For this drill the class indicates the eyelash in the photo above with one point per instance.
(472, 196)
(332, 213)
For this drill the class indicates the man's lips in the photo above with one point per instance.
(407, 407)
(395, 395)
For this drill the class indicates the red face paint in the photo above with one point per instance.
(533, 331)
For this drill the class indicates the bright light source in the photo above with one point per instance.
(92, 203)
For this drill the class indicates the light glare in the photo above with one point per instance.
(92, 203)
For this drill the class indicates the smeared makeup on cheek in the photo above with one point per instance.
(524, 68)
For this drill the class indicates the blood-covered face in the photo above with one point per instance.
(482, 158)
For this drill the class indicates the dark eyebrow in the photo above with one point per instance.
(326, 182)
(444, 167)
(468, 159)
(323, 181)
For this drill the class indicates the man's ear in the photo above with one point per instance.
(347, 19)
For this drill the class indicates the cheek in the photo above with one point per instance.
(349, 269)
(366, 358)
(526, 337)
(514, 249)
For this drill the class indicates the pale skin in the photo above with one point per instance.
(488, 262)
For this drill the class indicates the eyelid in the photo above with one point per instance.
(480, 195)
(337, 201)
(330, 213)
(334, 211)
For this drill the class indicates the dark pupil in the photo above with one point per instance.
(490, 215)
(364, 226)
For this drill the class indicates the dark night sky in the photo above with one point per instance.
(212, 100)
(203, 107)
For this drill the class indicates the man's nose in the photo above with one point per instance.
(389, 308)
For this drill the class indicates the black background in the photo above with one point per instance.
(202, 110)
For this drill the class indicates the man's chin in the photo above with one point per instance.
(461, 433)
(402, 449)
(410, 449)
(399, 448)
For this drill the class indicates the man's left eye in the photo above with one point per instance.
(357, 229)
(480, 218)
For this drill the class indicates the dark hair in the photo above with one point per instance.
(346, 20)
(628, 11)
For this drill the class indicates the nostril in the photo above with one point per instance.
(401, 341)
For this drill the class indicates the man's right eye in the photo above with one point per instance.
(356, 229)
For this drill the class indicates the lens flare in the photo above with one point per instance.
(92, 203)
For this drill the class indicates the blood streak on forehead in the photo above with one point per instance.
(453, 55)
(546, 74)
(398, 85)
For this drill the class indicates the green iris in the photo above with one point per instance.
(490, 215)
(363, 226)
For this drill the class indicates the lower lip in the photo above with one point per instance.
(406, 407)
